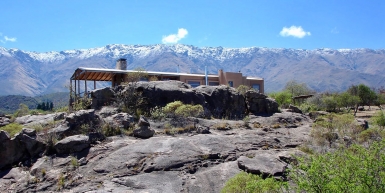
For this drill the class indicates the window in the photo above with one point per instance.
(256, 87)
(143, 79)
(213, 83)
(230, 83)
(194, 83)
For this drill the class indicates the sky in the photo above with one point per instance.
(47, 25)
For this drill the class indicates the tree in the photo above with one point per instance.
(296, 88)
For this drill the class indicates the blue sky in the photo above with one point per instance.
(304, 24)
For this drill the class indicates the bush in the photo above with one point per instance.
(353, 169)
(379, 119)
(283, 98)
(245, 182)
(12, 129)
(242, 89)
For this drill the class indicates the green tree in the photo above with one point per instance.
(296, 88)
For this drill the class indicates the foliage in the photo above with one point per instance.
(379, 119)
(130, 100)
(330, 103)
(81, 103)
(251, 183)
(327, 128)
(11, 103)
(283, 98)
(353, 169)
(45, 106)
(22, 111)
(157, 113)
(178, 109)
(12, 129)
(242, 89)
(109, 130)
(136, 75)
(296, 88)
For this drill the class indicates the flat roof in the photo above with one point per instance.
(106, 74)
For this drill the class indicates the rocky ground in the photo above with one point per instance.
(177, 162)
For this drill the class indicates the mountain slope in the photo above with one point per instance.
(31, 73)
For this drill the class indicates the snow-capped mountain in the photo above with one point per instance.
(32, 73)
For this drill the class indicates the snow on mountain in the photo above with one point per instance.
(32, 73)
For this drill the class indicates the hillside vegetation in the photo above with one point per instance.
(10, 103)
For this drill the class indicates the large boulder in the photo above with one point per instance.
(258, 103)
(72, 144)
(120, 120)
(223, 101)
(102, 97)
(4, 121)
(23, 146)
(143, 129)
(160, 93)
(80, 119)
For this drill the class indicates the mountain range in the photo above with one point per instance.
(33, 73)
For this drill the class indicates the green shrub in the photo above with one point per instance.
(379, 119)
(12, 129)
(250, 183)
(171, 107)
(283, 98)
(353, 169)
(189, 110)
(242, 89)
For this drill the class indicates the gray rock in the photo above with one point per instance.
(59, 116)
(23, 146)
(120, 120)
(77, 119)
(143, 121)
(294, 109)
(30, 120)
(258, 103)
(102, 97)
(203, 130)
(264, 163)
(72, 144)
(362, 123)
(107, 111)
(143, 132)
(4, 121)
(222, 101)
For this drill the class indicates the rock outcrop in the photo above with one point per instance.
(217, 101)
(20, 148)
(258, 103)
(143, 129)
(72, 144)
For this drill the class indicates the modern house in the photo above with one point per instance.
(119, 75)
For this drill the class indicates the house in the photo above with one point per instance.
(119, 75)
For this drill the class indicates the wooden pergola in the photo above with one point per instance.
(90, 75)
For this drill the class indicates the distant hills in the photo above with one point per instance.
(32, 73)
(10, 103)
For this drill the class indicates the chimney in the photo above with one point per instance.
(121, 64)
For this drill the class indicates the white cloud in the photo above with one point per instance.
(174, 38)
(294, 31)
(8, 39)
